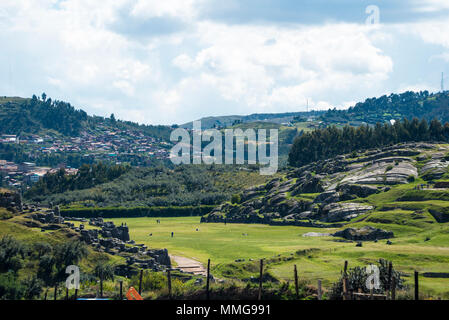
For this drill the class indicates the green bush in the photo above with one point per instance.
(10, 287)
(411, 178)
(118, 212)
(358, 276)
(236, 199)
(151, 281)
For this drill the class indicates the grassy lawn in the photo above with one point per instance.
(224, 244)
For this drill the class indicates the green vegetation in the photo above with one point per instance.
(188, 185)
(331, 141)
(420, 243)
(395, 106)
(133, 212)
(32, 262)
(87, 176)
(40, 115)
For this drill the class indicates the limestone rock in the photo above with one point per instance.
(367, 233)
(344, 211)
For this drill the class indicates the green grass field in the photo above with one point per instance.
(224, 244)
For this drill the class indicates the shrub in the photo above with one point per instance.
(10, 287)
(12, 252)
(357, 280)
(411, 178)
(151, 281)
(235, 199)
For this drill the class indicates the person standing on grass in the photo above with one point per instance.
(172, 234)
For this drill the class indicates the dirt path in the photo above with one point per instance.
(189, 265)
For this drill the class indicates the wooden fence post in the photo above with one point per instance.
(390, 271)
(169, 283)
(208, 280)
(76, 294)
(345, 281)
(45, 295)
(121, 290)
(416, 286)
(101, 287)
(393, 288)
(260, 280)
(56, 292)
(140, 282)
(345, 288)
(320, 293)
(67, 293)
(296, 282)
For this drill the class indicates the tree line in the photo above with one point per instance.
(87, 176)
(184, 185)
(35, 115)
(422, 105)
(332, 141)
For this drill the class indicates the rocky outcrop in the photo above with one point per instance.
(10, 200)
(317, 192)
(364, 234)
(385, 171)
(307, 183)
(344, 211)
(327, 197)
(434, 169)
(440, 215)
(108, 238)
(352, 191)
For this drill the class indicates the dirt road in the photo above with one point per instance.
(189, 265)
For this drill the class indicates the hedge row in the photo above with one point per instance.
(122, 212)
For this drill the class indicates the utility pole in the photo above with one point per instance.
(442, 81)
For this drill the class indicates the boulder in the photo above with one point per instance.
(383, 171)
(327, 197)
(352, 191)
(367, 233)
(434, 169)
(308, 184)
(344, 211)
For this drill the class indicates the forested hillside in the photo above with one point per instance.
(87, 176)
(39, 115)
(118, 186)
(331, 141)
(423, 105)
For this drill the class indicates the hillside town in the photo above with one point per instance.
(103, 144)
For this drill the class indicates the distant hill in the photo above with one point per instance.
(422, 105)
(227, 121)
(42, 115)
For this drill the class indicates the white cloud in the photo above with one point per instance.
(431, 5)
(295, 65)
(185, 9)
(68, 49)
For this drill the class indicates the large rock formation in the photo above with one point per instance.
(10, 200)
(330, 190)
(434, 169)
(344, 211)
(108, 238)
(364, 234)
(387, 171)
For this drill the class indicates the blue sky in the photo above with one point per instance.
(165, 62)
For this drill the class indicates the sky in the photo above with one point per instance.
(173, 61)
